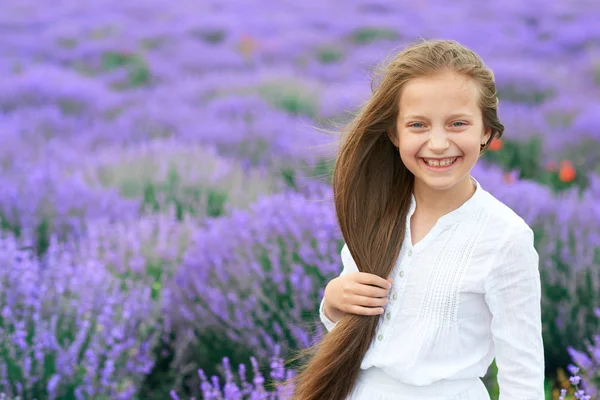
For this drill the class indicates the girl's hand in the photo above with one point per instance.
(356, 293)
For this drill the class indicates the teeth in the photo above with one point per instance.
(440, 163)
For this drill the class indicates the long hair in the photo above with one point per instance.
(372, 192)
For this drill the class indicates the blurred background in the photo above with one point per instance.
(167, 225)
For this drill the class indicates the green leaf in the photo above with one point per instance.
(371, 34)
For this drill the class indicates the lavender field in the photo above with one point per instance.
(167, 225)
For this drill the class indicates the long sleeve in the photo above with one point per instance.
(513, 295)
(348, 266)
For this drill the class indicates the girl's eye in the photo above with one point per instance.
(417, 125)
(458, 122)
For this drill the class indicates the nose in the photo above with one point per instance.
(438, 140)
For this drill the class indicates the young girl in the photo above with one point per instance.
(439, 277)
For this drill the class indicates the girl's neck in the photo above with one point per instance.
(434, 204)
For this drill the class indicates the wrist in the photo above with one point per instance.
(331, 312)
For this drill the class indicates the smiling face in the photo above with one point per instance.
(440, 129)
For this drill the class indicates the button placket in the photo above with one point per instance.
(387, 316)
(408, 257)
(402, 266)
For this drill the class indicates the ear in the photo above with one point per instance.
(487, 135)
(393, 135)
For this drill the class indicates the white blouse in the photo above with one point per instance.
(469, 291)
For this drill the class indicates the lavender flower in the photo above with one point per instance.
(522, 82)
(41, 203)
(238, 388)
(587, 368)
(189, 178)
(69, 326)
(575, 380)
(52, 85)
(253, 279)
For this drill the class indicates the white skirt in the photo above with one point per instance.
(375, 384)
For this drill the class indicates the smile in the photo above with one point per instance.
(440, 163)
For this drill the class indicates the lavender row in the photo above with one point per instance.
(119, 77)
(274, 121)
(69, 329)
(250, 281)
(587, 358)
(60, 197)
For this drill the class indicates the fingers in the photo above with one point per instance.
(362, 294)
(354, 309)
(364, 301)
(370, 291)
(372, 279)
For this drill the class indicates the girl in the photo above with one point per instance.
(439, 277)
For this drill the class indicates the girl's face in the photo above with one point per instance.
(440, 129)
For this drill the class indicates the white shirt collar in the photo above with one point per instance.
(454, 216)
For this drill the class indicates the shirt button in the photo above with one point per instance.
(410, 252)
(380, 337)
(388, 315)
(401, 274)
(395, 296)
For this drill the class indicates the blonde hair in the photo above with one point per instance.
(372, 192)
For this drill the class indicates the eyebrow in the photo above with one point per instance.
(451, 116)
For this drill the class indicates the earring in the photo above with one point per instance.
(482, 146)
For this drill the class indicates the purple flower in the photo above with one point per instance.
(63, 307)
(53, 85)
(224, 285)
(573, 369)
(237, 388)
